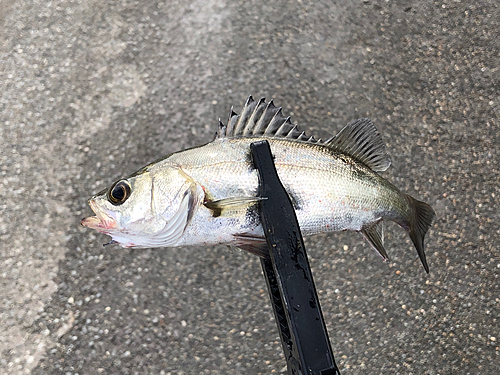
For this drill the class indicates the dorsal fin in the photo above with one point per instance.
(361, 140)
(259, 118)
(358, 139)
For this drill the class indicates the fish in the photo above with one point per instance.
(208, 195)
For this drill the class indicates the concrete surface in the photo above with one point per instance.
(92, 90)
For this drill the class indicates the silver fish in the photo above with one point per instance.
(207, 195)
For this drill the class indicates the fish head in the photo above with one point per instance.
(123, 209)
(147, 209)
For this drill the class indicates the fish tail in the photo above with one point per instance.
(420, 221)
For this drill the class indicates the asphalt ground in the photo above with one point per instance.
(92, 90)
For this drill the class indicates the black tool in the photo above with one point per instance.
(289, 279)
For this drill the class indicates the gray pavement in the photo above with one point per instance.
(92, 90)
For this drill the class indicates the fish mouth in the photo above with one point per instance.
(102, 222)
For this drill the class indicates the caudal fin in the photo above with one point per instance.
(422, 216)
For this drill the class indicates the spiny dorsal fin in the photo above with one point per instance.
(361, 140)
(259, 118)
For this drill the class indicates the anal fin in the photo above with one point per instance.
(374, 233)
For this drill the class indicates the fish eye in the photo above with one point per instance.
(119, 192)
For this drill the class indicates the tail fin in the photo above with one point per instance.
(422, 216)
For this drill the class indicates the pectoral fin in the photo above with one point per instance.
(374, 233)
(233, 203)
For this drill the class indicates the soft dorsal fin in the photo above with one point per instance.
(361, 140)
(358, 139)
